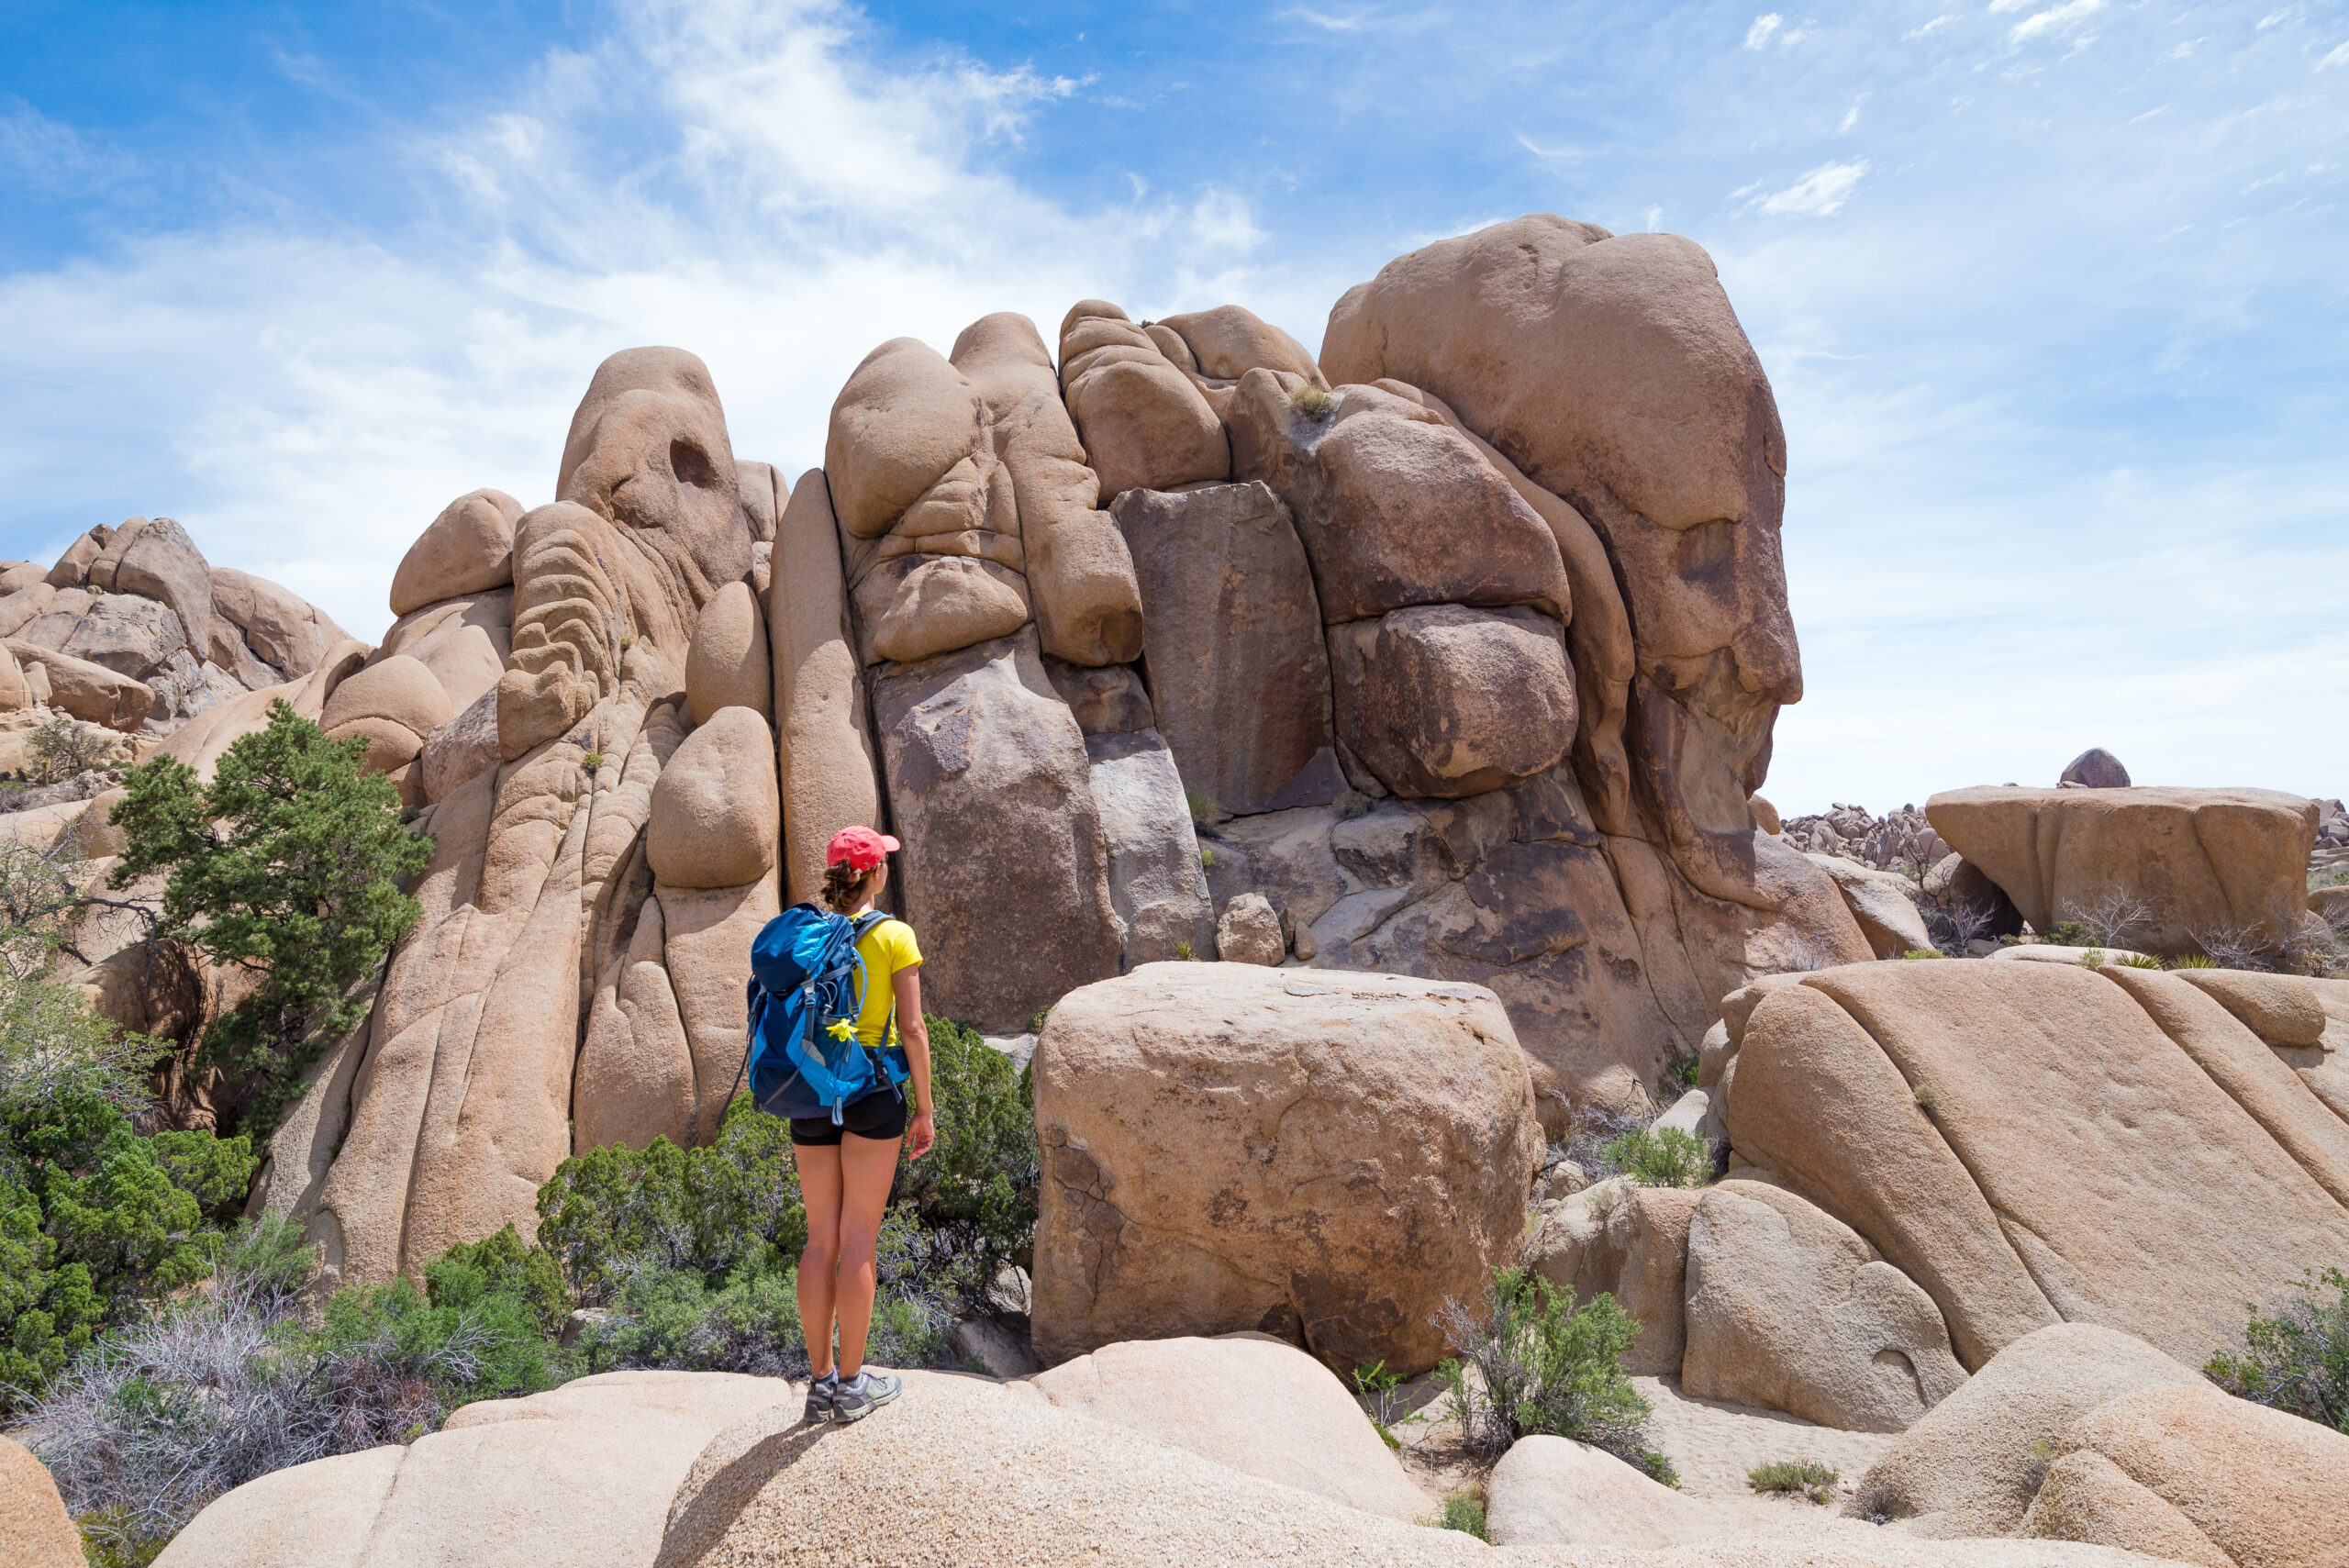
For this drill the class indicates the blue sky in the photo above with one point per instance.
(2053, 292)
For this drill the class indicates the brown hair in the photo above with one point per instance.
(844, 885)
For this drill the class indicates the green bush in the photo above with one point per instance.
(1805, 1477)
(1463, 1511)
(1543, 1369)
(288, 862)
(2068, 934)
(674, 1319)
(1659, 1157)
(2297, 1358)
(95, 1221)
(980, 1180)
(712, 1212)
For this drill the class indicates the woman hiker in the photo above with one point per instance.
(846, 1168)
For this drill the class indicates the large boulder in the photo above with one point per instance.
(464, 642)
(279, 628)
(2189, 870)
(964, 1470)
(1441, 700)
(823, 740)
(1145, 423)
(161, 563)
(2262, 1488)
(35, 1530)
(129, 635)
(1179, 1391)
(715, 816)
(582, 1475)
(1238, 674)
(1550, 1491)
(1882, 902)
(1219, 1155)
(981, 749)
(88, 691)
(1395, 506)
(1611, 371)
(1947, 1111)
(467, 549)
(393, 705)
(1790, 1308)
(1157, 885)
(729, 666)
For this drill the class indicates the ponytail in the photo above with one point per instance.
(844, 885)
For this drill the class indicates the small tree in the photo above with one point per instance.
(289, 863)
(1540, 1365)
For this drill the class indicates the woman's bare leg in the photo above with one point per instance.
(867, 1167)
(819, 1190)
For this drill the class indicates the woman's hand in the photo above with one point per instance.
(921, 1134)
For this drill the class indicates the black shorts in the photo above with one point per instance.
(880, 1115)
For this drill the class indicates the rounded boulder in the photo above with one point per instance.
(468, 549)
(1443, 701)
(728, 665)
(717, 815)
(394, 704)
(1220, 1154)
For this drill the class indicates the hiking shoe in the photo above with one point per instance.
(822, 1394)
(856, 1398)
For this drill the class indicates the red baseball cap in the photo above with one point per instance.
(861, 848)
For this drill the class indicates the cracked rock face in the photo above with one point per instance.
(2009, 1137)
(1219, 1154)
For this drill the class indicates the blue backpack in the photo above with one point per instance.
(807, 991)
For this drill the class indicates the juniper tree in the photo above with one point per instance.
(289, 865)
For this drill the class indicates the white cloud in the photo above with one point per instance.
(1758, 35)
(2338, 57)
(1559, 155)
(1999, 7)
(743, 183)
(1851, 116)
(2055, 18)
(1819, 194)
(2182, 51)
(1929, 29)
(2277, 18)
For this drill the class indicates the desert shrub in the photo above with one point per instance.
(1463, 1511)
(2195, 961)
(1924, 952)
(712, 1211)
(2296, 1359)
(980, 1181)
(224, 1385)
(1204, 811)
(2139, 960)
(2068, 934)
(673, 1317)
(61, 749)
(1312, 402)
(1381, 1395)
(1659, 1157)
(95, 1218)
(1539, 1367)
(289, 862)
(1805, 1477)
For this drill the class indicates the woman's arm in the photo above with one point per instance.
(913, 1033)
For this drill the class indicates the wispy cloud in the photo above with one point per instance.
(1819, 194)
(2338, 57)
(1927, 28)
(1758, 35)
(2055, 18)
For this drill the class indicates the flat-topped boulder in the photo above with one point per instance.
(2178, 870)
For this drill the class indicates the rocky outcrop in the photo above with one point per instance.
(1884, 904)
(2081, 1433)
(1179, 1392)
(1238, 672)
(1145, 423)
(1204, 1177)
(582, 1474)
(1630, 1242)
(823, 735)
(1945, 1111)
(2218, 871)
(2095, 768)
(1790, 1308)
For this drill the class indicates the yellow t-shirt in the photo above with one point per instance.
(885, 949)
